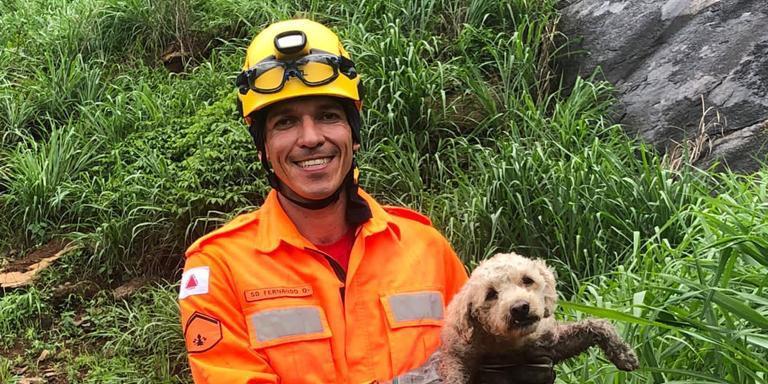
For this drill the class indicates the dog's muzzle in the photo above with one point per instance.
(520, 315)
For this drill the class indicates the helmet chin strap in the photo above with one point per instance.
(300, 201)
(313, 204)
(357, 209)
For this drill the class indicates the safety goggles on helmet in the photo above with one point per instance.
(315, 69)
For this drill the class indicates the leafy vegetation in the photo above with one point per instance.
(465, 120)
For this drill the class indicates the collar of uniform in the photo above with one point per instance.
(275, 226)
(380, 219)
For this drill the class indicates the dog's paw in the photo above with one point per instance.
(625, 359)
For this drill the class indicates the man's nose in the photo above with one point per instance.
(310, 135)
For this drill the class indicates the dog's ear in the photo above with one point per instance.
(468, 322)
(460, 314)
(550, 290)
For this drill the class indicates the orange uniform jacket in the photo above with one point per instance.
(260, 304)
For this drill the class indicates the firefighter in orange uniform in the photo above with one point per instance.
(321, 284)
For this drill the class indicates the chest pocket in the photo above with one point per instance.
(414, 319)
(297, 341)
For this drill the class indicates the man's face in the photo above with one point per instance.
(309, 145)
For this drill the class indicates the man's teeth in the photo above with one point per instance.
(309, 163)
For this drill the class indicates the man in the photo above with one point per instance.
(321, 284)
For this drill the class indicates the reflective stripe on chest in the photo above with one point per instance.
(414, 308)
(281, 325)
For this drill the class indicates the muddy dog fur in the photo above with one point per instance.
(505, 311)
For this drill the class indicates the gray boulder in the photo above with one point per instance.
(673, 60)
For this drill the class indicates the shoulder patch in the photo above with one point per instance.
(202, 332)
(232, 225)
(407, 214)
(194, 281)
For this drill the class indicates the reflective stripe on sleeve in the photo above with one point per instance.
(414, 308)
(274, 326)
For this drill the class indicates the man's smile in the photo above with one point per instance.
(313, 163)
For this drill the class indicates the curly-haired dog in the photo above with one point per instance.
(505, 310)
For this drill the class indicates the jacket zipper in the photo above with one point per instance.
(337, 269)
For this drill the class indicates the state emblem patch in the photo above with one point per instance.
(194, 282)
(202, 332)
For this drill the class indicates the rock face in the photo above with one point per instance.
(667, 56)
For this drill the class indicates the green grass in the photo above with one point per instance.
(465, 120)
(21, 311)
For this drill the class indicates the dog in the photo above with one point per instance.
(505, 311)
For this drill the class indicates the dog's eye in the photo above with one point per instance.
(527, 280)
(492, 294)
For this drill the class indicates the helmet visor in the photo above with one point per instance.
(269, 79)
(318, 72)
(315, 69)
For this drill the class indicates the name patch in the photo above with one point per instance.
(271, 293)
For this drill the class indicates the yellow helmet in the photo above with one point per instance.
(295, 58)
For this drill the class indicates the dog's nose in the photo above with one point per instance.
(520, 310)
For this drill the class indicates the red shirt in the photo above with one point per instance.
(341, 249)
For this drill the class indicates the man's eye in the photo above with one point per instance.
(330, 116)
(283, 123)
